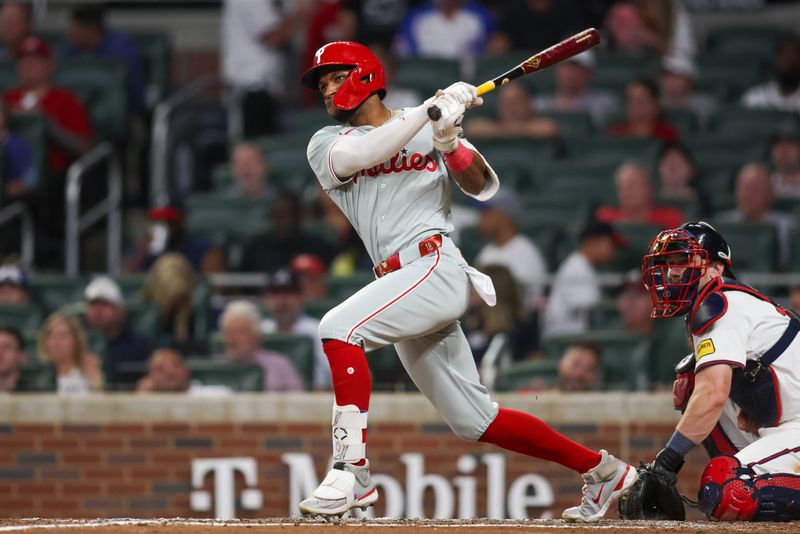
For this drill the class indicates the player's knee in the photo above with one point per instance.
(723, 494)
(330, 327)
(466, 428)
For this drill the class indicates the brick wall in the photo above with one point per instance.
(143, 469)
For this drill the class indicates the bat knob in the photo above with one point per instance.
(434, 113)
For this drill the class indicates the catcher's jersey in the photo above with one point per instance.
(391, 205)
(750, 327)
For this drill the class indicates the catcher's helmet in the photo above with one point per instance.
(365, 78)
(676, 260)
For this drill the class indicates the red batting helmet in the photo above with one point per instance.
(365, 78)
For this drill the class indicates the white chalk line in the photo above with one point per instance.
(321, 523)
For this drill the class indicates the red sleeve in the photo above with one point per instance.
(666, 216)
(619, 129)
(607, 214)
(667, 133)
(74, 117)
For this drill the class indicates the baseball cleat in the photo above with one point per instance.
(604, 484)
(345, 487)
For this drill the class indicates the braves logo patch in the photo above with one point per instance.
(704, 348)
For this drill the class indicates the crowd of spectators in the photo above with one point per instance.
(302, 242)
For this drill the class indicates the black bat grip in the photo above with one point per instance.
(434, 113)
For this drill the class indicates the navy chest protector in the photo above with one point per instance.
(755, 388)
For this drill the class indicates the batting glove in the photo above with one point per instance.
(447, 129)
(465, 93)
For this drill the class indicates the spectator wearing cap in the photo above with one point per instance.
(285, 239)
(499, 222)
(754, 200)
(88, 35)
(126, 349)
(644, 118)
(678, 74)
(14, 288)
(167, 233)
(12, 356)
(240, 324)
(69, 131)
(784, 154)
(250, 170)
(576, 289)
(515, 118)
(15, 25)
(284, 300)
(573, 91)
(313, 276)
(636, 200)
(783, 91)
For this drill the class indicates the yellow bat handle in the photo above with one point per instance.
(485, 87)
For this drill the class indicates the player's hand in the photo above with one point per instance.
(447, 129)
(747, 423)
(463, 92)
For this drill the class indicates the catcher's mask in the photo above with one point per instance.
(671, 270)
(365, 78)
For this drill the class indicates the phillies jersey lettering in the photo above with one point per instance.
(392, 205)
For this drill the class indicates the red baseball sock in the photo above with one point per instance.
(352, 382)
(525, 434)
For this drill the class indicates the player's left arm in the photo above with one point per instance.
(466, 165)
(711, 389)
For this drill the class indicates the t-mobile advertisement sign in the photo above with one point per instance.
(454, 498)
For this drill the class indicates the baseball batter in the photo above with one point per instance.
(742, 397)
(391, 172)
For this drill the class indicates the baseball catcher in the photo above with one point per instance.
(739, 390)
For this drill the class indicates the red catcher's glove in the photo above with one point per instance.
(683, 386)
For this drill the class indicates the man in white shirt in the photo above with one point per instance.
(284, 300)
(783, 91)
(576, 288)
(517, 252)
(253, 65)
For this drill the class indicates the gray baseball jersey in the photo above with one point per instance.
(391, 205)
(394, 206)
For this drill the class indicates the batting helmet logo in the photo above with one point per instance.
(366, 77)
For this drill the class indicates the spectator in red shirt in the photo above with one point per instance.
(644, 115)
(69, 132)
(635, 194)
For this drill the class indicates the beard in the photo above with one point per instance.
(342, 115)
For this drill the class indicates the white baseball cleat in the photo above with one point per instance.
(605, 483)
(345, 487)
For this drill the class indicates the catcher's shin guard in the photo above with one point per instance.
(730, 492)
(726, 490)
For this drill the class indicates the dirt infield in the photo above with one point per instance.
(372, 526)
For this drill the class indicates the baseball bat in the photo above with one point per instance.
(548, 57)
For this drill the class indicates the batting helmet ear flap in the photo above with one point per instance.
(362, 81)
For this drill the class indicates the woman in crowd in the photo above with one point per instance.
(62, 342)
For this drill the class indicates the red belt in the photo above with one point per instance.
(392, 263)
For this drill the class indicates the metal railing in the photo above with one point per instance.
(109, 207)
(27, 235)
(161, 138)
